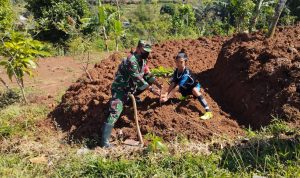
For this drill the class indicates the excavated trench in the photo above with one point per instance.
(245, 79)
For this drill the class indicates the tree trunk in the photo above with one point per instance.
(253, 21)
(118, 9)
(4, 83)
(105, 39)
(275, 18)
(20, 83)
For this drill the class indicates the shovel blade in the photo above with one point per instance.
(131, 142)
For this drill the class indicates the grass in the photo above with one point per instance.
(19, 119)
(268, 157)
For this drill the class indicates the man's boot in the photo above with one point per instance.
(106, 132)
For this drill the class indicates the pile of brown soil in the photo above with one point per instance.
(84, 106)
(258, 79)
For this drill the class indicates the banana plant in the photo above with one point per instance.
(117, 32)
(103, 22)
(20, 51)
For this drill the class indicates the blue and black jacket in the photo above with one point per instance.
(185, 80)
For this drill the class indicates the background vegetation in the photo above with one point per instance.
(93, 25)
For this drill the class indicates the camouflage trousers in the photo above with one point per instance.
(118, 98)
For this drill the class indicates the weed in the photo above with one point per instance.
(277, 127)
(250, 133)
(156, 143)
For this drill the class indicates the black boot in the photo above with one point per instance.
(106, 132)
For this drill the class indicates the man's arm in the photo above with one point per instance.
(137, 76)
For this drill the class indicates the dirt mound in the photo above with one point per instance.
(85, 104)
(256, 78)
(248, 76)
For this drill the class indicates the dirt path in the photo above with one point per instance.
(52, 74)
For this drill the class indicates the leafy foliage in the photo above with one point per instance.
(294, 7)
(162, 71)
(242, 11)
(6, 15)
(277, 127)
(57, 18)
(168, 9)
(156, 143)
(183, 20)
(21, 51)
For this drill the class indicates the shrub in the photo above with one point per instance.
(57, 18)
(6, 15)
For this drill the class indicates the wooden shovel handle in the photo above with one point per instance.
(136, 120)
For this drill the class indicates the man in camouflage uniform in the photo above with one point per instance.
(132, 77)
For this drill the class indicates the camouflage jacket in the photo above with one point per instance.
(129, 76)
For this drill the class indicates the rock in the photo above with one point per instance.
(96, 102)
(82, 151)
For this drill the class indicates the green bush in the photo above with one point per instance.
(242, 11)
(78, 45)
(294, 6)
(6, 15)
(184, 21)
(168, 9)
(57, 19)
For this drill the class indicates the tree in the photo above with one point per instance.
(183, 19)
(294, 6)
(103, 22)
(256, 13)
(56, 18)
(275, 18)
(117, 32)
(242, 11)
(20, 51)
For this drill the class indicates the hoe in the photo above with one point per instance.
(136, 123)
